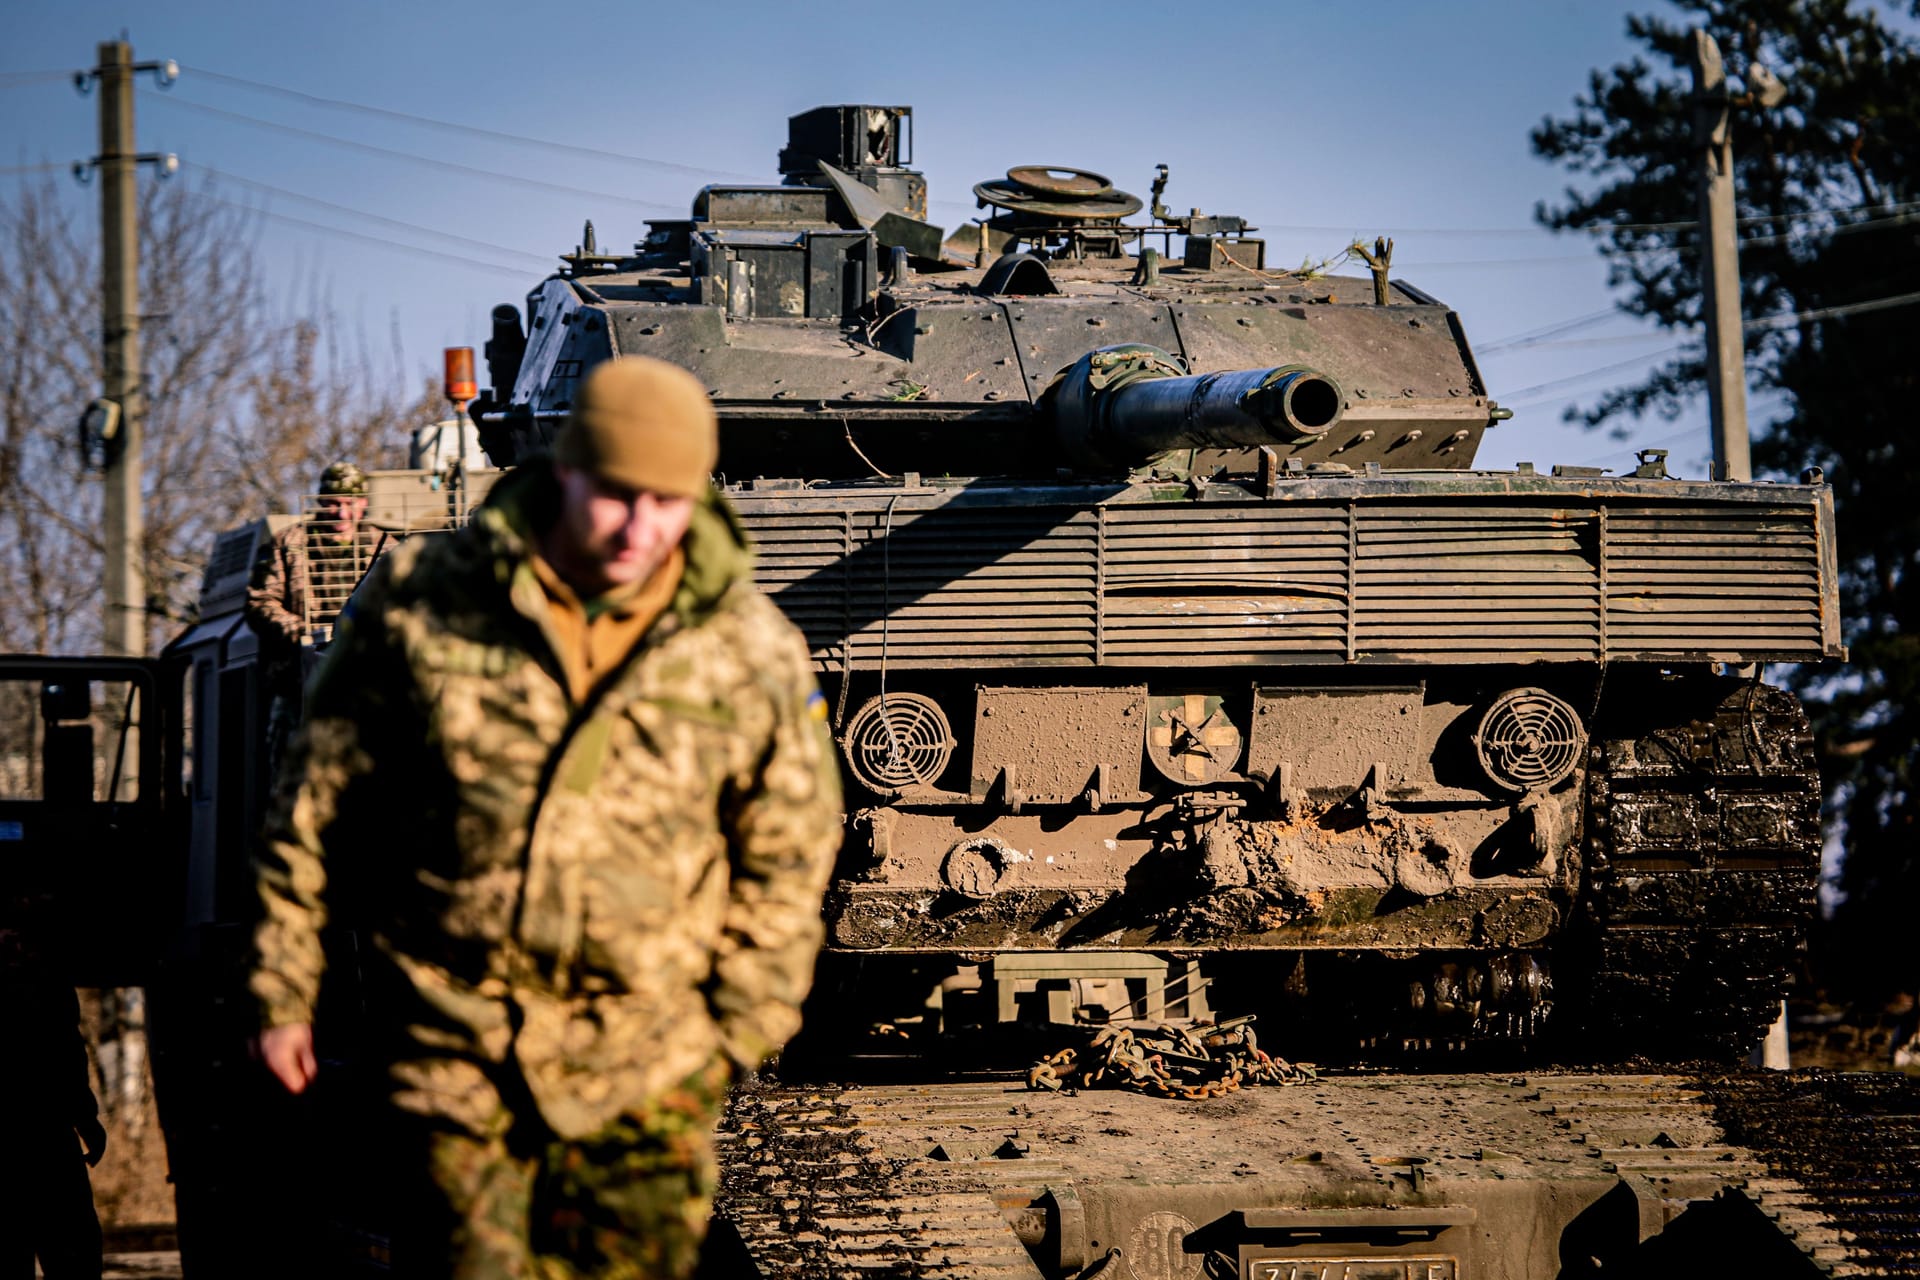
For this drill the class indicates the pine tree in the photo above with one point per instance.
(1825, 183)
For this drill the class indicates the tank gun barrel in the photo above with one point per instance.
(1119, 406)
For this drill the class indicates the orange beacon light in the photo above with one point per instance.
(460, 383)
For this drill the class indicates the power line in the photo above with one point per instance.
(282, 192)
(452, 126)
(1557, 383)
(1612, 340)
(1829, 313)
(518, 273)
(1600, 228)
(1782, 320)
(1745, 242)
(1798, 215)
(1543, 260)
(1557, 327)
(1631, 446)
(432, 162)
(1843, 229)
(1350, 233)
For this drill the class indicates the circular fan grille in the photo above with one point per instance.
(899, 740)
(1529, 739)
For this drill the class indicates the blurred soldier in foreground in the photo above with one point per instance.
(568, 770)
(48, 1118)
(310, 565)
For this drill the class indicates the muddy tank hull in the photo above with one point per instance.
(1482, 721)
(1169, 627)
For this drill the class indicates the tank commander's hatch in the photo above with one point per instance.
(1020, 273)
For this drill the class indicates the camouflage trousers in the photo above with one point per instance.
(628, 1204)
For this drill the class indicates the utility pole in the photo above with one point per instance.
(1726, 339)
(1720, 265)
(111, 433)
(122, 406)
(121, 512)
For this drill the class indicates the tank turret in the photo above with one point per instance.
(840, 332)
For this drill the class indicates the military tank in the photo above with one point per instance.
(1177, 650)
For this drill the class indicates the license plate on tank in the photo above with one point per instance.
(1298, 1268)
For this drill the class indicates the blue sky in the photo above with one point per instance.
(1316, 121)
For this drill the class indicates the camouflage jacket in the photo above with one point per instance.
(281, 586)
(606, 894)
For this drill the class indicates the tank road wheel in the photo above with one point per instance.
(1703, 848)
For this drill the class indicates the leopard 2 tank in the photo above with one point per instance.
(1179, 654)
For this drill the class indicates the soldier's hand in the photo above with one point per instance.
(93, 1137)
(288, 1052)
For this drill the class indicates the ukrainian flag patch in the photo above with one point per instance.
(817, 706)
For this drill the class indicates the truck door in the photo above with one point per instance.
(91, 827)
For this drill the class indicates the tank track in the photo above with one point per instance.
(805, 1192)
(1843, 1162)
(1702, 853)
(1649, 1174)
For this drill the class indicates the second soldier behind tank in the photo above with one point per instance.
(300, 576)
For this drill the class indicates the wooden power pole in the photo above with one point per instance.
(1726, 338)
(1720, 265)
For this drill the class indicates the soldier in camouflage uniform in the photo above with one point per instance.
(568, 771)
(331, 551)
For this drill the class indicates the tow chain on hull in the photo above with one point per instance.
(1168, 1061)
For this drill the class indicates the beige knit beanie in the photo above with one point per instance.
(643, 424)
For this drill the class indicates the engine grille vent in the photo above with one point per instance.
(1529, 739)
(945, 581)
(899, 740)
